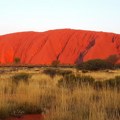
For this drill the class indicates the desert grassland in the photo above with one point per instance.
(41, 94)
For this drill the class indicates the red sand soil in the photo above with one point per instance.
(65, 45)
(28, 117)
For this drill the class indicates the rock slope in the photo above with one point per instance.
(66, 45)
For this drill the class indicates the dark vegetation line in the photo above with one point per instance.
(39, 66)
(95, 64)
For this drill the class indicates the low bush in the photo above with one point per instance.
(55, 63)
(20, 77)
(85, 71)
(25, 108)
(64, 72)
(52, 72)
(17, 60)
(117, 66)
(108, 84)
(71, 81)
(18, 110)
(96, 64)
(113, 83)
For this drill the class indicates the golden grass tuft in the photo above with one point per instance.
(58, 103)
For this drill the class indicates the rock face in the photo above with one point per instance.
(66, 45)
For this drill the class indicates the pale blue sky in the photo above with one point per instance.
(42, 15)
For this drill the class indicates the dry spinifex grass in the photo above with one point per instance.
(41, 93)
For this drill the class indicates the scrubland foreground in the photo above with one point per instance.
(59, 93)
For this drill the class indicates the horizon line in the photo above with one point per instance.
(25, 31)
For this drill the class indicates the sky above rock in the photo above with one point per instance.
(42, 15)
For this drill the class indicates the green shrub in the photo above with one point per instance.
(55, 63)
(17, 60)
(85, 71)
(21, 77)
(71, 81)
(117, 66)
(64, 72)
(52, 72)
(113, 83)
(18, 110)
(25, 108)
(96, 64)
